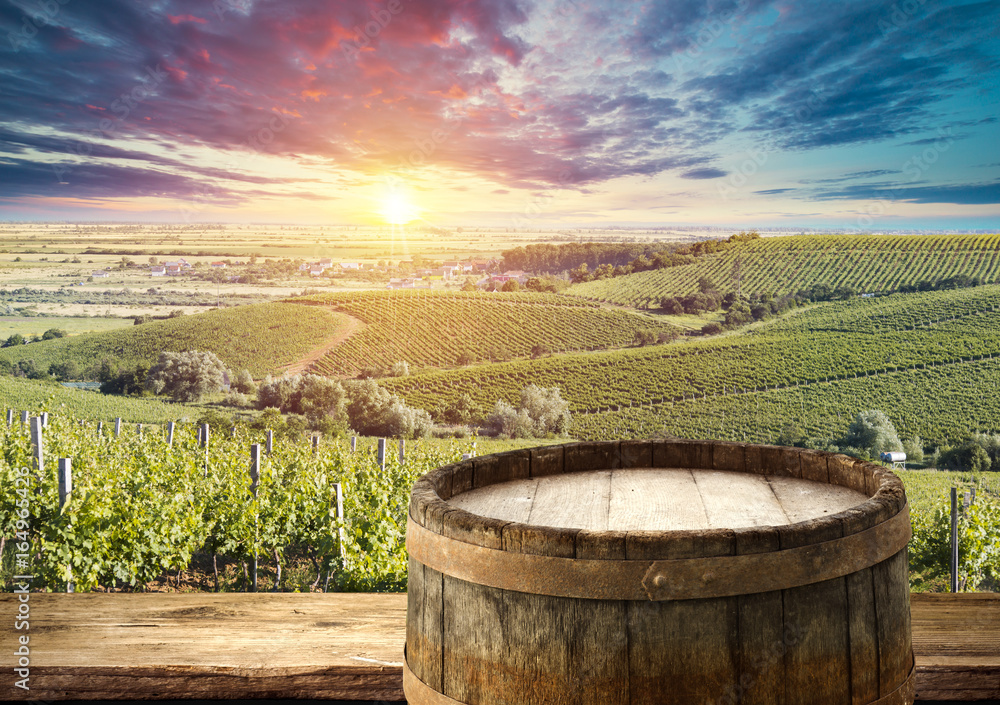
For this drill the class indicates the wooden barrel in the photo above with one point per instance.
(674, 572)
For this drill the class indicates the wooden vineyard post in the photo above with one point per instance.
(24, 418)
(100, 428)
(65, 488)
(118, 426)
(10, 417)
(954, 539)
(45, 419)
(204, 444)
(36, 445)
(254, 483)
(270, 441)
(354, 443)
(138, 430)
(232, 432)
(315, 444)
(381, 453)
(170, 434)
(339, 498)
(402, 450)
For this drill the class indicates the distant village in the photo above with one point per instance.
(483, 272)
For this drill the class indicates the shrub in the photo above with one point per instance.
(874, 432)
(186, 376)
(244, 383)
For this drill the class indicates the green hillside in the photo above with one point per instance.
(864, 263)
(437, 328)
(942, 342)
(34, 396)
(261, 338)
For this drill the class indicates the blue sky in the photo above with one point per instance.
(859, 115)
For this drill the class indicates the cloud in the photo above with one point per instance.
(704, 173)
(987, 193)
(523, 93)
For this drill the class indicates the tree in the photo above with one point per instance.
(538, 350)
(53, 333)
(546, 408)
(645, 337)
(465, 411)
(580, 274)
(16, 339)
(64, 371)
(711, 329)
(508, 422)
(873, 431)
(186, 376)
(374, 411)
(914, 449)
(244, 383)
(670, 304)
(510, 285)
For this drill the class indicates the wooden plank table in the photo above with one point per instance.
(342, 646)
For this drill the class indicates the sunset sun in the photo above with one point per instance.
(397, 208)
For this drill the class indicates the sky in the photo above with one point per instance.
(865, 115)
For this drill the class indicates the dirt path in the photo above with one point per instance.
(351, 326)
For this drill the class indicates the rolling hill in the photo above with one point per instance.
(931, 343)
(782, 265)
(262, 338)
(441, 329)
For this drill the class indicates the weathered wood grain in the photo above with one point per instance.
(347, 646)
(89, 646)
(657, 499)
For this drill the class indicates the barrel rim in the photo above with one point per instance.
(429, 506)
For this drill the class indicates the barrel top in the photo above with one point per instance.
(658, 499)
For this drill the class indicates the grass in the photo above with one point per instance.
(33, 326)
(262, 338)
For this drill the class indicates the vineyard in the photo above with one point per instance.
(33, 395)
(260, 337)
(933, 340)
(141, 509)
(443, 329)
(942, 405)
(864, 263)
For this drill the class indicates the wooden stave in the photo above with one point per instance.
(887, 498)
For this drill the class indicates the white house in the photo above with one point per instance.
(350, 265)
(157, 271)
(99, 274)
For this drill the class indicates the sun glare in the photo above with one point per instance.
(397, 209)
